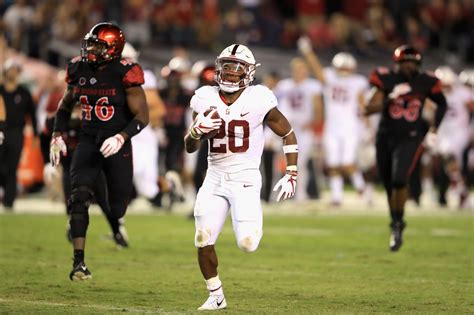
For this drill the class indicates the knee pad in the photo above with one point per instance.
(81, 198)
(249, 243)
(202, 238)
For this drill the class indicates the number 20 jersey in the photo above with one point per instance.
(239, 143)
(100, 91)
(403, 115)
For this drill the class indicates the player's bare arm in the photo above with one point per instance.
(63, 114)
(375, 104)
(280, 125)
(137, 104)
(305, 47)
(2, 119)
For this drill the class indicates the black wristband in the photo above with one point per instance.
(133, 128)
(3, 125)
(61, 121)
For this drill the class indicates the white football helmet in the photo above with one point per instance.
(235, 61)
(446, 75)
(344, 61)
(467, 77)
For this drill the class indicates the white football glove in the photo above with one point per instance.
(56, 148)
(287, 186)
(112, 145)
(399, 90)
(304, 44)
(431, 140)
(205, 124)
(2, 137)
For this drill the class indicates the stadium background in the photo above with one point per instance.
(43, 35)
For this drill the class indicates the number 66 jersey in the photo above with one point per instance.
(239, 143)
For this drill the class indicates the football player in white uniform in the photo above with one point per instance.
(453, 133)
(233, 179)
(344, 92)
(298, 99)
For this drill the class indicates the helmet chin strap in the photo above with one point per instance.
(229, 89)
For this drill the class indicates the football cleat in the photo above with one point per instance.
(177, 193)
(80, 272)
(396, 239)
(120, 240)
(213, 303)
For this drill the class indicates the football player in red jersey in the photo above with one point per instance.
(114, 109)
(400, 94)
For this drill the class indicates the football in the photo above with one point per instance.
(213, 133)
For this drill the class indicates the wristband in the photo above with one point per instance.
(133, 128)
(292, 148)
(194, 135)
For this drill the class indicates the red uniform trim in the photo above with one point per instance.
(133, 77)
(375, 80)
(418, 153)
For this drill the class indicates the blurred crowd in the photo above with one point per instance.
(50, 28)
(37, 33)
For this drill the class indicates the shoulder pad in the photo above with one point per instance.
(205, 91)
(75, 59)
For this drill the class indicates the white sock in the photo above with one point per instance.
(369, 193)
(358, 181)
(214, 285)
(336, 184)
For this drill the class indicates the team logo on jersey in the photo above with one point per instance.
(93, 80)
(82, 81)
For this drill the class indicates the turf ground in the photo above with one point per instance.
(307, 264)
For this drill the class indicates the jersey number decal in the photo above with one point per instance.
(411, 113)
(102, 110)
(231, 135)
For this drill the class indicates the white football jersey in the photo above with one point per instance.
(239, 143)
(341, 100)
(457, 117)
(296, 101)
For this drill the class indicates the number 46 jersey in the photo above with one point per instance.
(100, 91)
(239, 143)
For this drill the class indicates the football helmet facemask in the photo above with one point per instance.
(235, 68)
(103, 43)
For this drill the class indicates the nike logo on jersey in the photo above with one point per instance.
(247, 185)
(242, 115)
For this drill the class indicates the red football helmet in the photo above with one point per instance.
(406, 53)
(103, 43)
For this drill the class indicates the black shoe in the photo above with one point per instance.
(396, 239)
(120, 240)
(80, 272)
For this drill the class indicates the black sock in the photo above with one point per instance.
(397, 216)
(78, 255)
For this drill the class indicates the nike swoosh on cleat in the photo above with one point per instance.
(242, 115)
(219, 303)
(84, 268)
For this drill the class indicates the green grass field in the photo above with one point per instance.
(305, 265)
